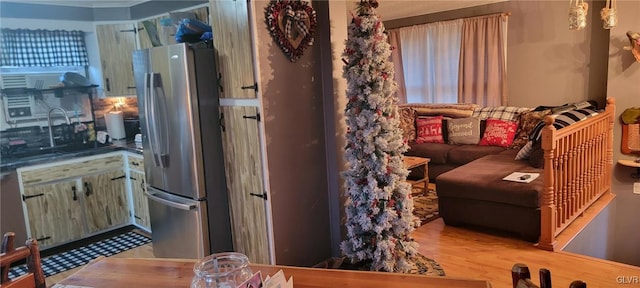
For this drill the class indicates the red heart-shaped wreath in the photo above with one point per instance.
(292, 25)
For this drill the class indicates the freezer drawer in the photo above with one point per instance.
(179, 226)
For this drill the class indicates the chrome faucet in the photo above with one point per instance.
(51, 141)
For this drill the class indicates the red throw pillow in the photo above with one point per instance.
(499, 133)
(429, 130)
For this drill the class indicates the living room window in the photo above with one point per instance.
(456, 61)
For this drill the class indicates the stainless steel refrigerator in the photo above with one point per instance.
(178, 105)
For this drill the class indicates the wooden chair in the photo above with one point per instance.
(522, 278)
(34, 277)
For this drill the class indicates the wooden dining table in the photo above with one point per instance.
(157, 273)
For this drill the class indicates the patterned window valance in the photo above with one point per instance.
(42, 48)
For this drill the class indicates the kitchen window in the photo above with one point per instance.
(42, 48)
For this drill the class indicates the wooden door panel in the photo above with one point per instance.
(232, 43)
(243, 166)
(202, 14)
(116, 43)
(143, 34)
(105, 200)
(140, 202)
(55, 217)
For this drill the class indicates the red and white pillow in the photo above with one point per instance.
(499, 133)
(429, 129)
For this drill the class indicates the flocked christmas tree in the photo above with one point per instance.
(379, 208)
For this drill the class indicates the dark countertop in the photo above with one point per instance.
(9, 164)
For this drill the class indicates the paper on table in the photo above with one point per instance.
(278, 281)
(521, 177)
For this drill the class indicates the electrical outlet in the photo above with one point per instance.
(636, 188)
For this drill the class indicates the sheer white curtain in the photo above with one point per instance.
(431, 55)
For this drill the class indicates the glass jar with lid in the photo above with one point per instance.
(221, 270)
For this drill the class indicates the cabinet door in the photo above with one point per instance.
(105, 200)
(243, 169)
(143, 33)
(168, 32)
(140, 202)
(232, 42)
(117, 43)
(55, 212)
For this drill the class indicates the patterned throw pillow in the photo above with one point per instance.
(499, 133)
(525, 151)
(528, 121)
(407, 123)
(507, 113)
(463, 131)
(429, 130)
(562, 120)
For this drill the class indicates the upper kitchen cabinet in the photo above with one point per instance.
(144, 32)
(232, 42)
(116, 43)
(168, 32)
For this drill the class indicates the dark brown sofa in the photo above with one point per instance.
(469, 182)
(446, 157)
(469, 178)
(475, 194)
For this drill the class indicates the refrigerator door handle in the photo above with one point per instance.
(155, 151)
(169, 203)
(163, 151)
(148, 114)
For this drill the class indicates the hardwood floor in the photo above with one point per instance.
(469, 254)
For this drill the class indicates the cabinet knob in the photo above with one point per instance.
(75, 196)
(88, 189)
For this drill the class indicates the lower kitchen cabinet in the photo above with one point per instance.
(105, 200)
(69, 200)
(140, 201)
(54, 212)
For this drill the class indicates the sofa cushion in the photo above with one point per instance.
(527, 121)
(429, 129)
(407, 123)
(437, 152)
(536, 157)
(436, 170)
(464, 154)
(499, 133)
(508, 113)
(460, 110)
(482, 180)
(463, 131)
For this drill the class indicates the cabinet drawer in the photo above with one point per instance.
(136, 163)
(70, 170)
